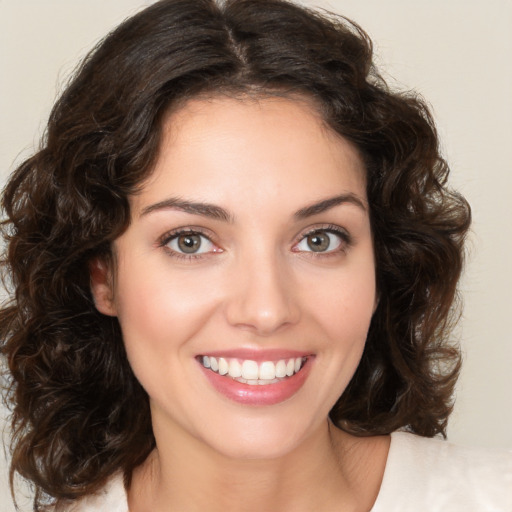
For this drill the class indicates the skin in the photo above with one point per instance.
(255, 284)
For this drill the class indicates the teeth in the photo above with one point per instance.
(235, 369)
(249, 370)
(281, 369)
(267, 370)
(290, 367)
(252, 373)
(223, 366)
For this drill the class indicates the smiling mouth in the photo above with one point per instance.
(247, 371)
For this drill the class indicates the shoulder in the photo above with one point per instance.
(111, 498)
(447, 477)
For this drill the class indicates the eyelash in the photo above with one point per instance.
(344, 236)
(168, 237)
(345, 240)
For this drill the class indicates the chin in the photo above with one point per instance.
(264, 439)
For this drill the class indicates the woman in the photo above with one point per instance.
(233, 264)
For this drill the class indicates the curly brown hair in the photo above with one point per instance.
(78, 413)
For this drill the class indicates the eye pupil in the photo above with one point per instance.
(189, 243)
(318, 242)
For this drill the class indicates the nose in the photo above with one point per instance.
(262, 298)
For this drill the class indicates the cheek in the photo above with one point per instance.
(159, 312)
(346, 301)
(343, 310)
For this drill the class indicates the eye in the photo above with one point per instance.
(189, 243)
(323, 241)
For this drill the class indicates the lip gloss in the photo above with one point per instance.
(258, 394)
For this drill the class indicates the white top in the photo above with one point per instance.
(432, 475)
(427, 475)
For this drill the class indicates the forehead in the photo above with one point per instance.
(221, 149)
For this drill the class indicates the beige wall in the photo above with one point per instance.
(457, 53)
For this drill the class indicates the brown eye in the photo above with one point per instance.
(189, 243)
(318, 242)
(323, 241)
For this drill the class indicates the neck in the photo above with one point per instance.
(324, 473)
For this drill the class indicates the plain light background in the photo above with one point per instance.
(456, 53)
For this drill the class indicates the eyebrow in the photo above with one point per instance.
(218, 213)
(196, 208)
(327, 204)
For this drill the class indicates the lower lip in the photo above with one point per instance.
(258, 394)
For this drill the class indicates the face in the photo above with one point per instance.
(245, 283)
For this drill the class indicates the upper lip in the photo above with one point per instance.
(258, 355)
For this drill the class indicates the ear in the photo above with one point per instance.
(102, 286)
